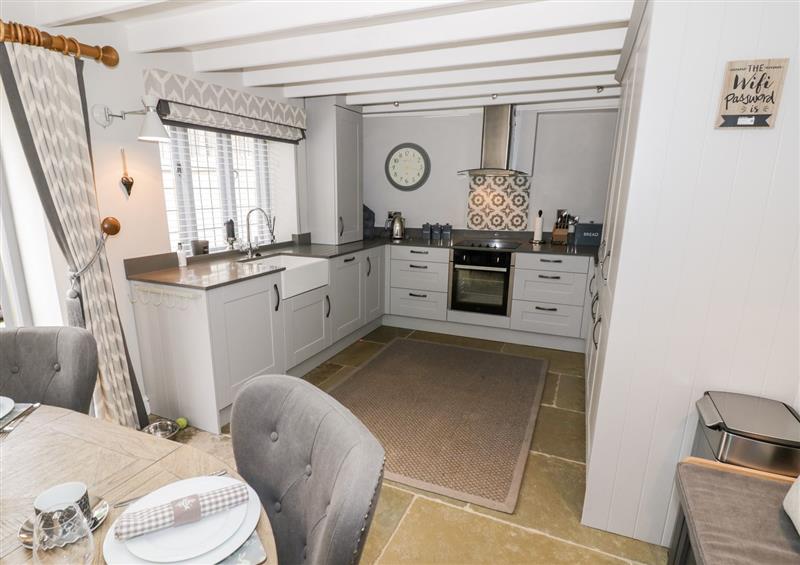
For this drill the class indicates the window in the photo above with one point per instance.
(211, 177)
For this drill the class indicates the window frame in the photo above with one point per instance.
(227, 152)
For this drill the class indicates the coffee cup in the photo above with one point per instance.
(62, 495)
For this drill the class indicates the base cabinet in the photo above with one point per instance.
(419, 303)
(247, 339)
(199, 348)
(307, 325)
(373, 284)
(347, 294)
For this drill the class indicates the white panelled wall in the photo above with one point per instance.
(704, 274)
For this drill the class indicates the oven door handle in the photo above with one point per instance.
(480, 268)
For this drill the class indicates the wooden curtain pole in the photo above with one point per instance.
(29, 35)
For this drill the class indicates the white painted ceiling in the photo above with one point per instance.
(386, 55)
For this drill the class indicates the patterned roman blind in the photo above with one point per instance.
(189, 101)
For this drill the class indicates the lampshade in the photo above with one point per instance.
(152, 128)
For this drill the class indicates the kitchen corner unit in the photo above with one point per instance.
(199, 347)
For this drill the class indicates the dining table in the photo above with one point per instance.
(54, 445)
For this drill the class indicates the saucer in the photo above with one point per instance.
(100, 511)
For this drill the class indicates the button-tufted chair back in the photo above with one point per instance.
(56, 366)
(315, 467)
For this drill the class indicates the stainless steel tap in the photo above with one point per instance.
(250, 249)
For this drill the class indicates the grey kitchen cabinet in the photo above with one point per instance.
(307, 324)
(247, 338)
(373, 285)
(334, 155)
(347, 294)
(349, 190)
(199, 348)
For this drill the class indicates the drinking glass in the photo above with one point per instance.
(61, 535)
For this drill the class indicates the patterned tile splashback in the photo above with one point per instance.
(498, 203)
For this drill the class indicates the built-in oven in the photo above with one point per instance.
(480, 281)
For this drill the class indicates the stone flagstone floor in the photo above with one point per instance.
(416, 527)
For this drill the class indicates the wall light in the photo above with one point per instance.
(152, 129)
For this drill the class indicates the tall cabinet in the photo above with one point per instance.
(334, 156)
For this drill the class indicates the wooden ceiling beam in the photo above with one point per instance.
(51, 14)
(604, 64)
(485, 90)
(610, 95)
(247, 20)
(469, 28)
(602, 42)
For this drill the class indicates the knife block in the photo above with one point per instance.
(560, 236)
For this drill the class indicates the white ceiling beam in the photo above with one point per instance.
(475, 90)
(568, 106)
(241, 20)
(494, 24)
(535, 98)
(603, 64)
(520, 50)
(56, 13)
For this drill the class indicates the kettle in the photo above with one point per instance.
(398, 226)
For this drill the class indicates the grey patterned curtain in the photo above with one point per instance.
(45, 91)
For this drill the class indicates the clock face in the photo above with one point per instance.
(407, 166)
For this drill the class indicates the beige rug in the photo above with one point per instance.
(453, 420)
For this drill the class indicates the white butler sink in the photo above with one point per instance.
(301, 275)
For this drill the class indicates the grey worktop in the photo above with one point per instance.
(212, 271)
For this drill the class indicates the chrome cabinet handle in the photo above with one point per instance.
(603, 264)
(418, 295)
(553, 277)
(551, 260)
(595, 301)
(590, 283)
(341, 226)
(418, 252)
(350, 259)
(417, 266)
(369, 266)
(594, 330)
(278, 294)
(328, 300)
(546, 309)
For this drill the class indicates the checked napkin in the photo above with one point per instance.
(180, 511)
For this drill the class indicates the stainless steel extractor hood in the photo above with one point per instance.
(496, 143)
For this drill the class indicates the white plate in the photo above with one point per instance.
(6, 406)
(115, 552)
(189, 540)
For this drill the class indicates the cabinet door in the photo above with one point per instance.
(348, 176)
(594, 377)
(247, 334)
(347, 294)
(373, 284)
(307, 325)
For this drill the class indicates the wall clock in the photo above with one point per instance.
(407, 166)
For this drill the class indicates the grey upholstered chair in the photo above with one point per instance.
(56, 366)
(315, 467)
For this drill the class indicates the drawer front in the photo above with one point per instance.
(545, 318)
(432, 254)
(419, 304)
(543, 262)
(421, 275)
(549, 286)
